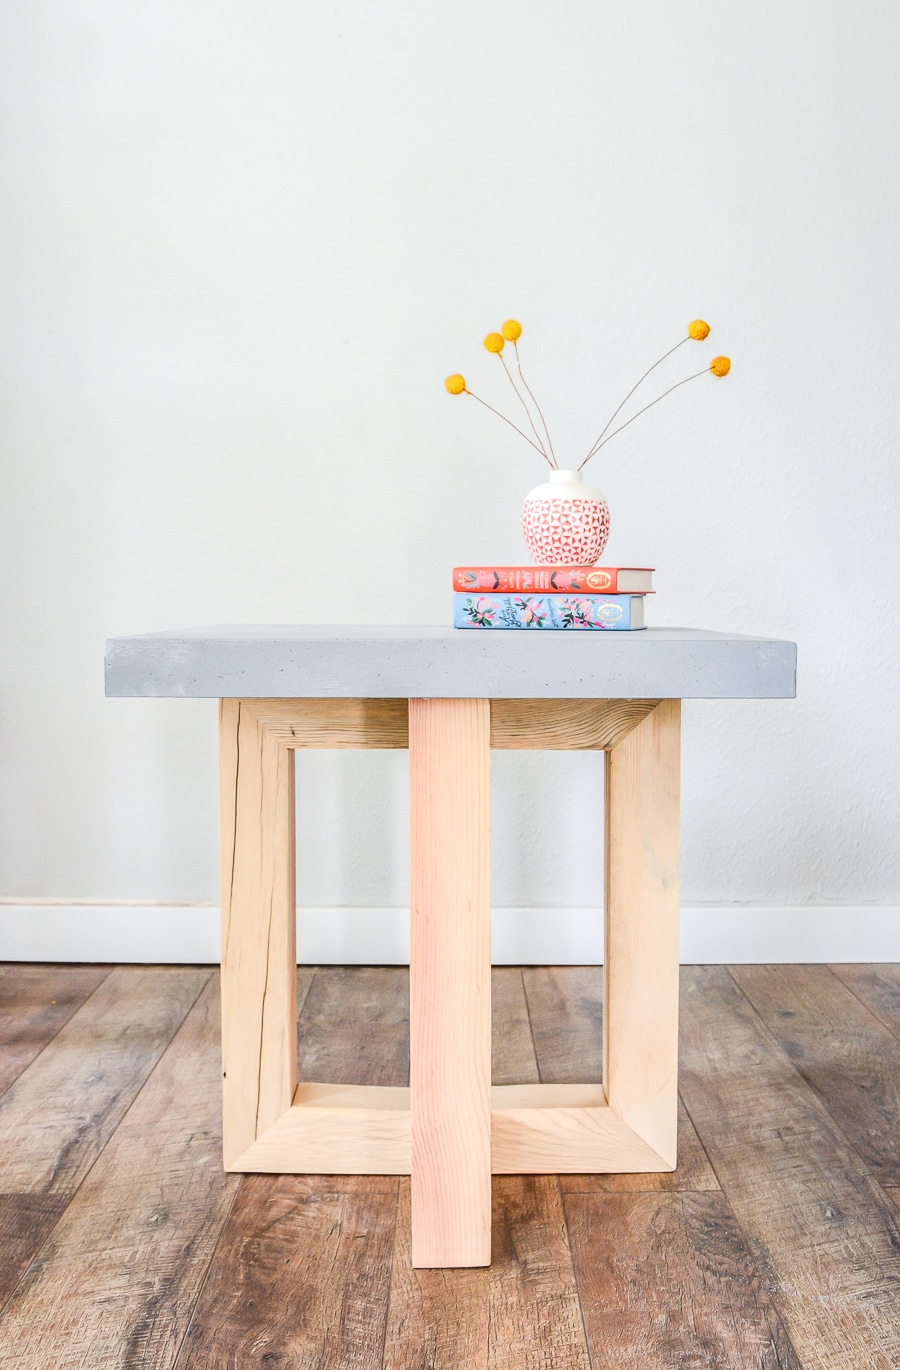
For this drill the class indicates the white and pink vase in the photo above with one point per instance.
(565, 522)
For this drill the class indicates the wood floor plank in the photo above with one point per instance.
(57, 1116)
(354, 1027)
(666, 1280)
(513, 1060)
(520, 1313)
(115, 1283)
(566, 1008)
(35, 1002)
(26, 1220)
(693, 1171)
(878, 987)
(823, 1234)
(845, 1054)
(300, 1278)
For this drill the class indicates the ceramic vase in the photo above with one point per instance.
(565, 522)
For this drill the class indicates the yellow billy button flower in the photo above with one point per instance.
(512, 330)
(698, 330)
(455, 385)
(494, 342)
(720, 366)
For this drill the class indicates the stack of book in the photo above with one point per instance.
(601, 597)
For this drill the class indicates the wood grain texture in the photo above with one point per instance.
(553, 1140)
(114, 1284)
(824, 1236)
(336, 1130)
(259, 959)
(641, 962)
(35, 1002)
(354, 1027)
(666, 1281)
(336, 723)
(300, 1278)
(57, 1117)
(878, 987)
(693, 1172)
(450, 980)
(564, 724)
(520, 1314)
(844, 1053)
(26, 1220)
(565, 1004)
(512, 1049)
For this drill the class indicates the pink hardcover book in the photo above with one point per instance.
(609, 580)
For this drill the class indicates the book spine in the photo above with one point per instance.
(602, 613)
(544, 579)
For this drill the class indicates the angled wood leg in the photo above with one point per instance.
(450, 1005)
(640, 1012)
(259, 958)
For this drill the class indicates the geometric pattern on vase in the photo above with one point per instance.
(565, 532)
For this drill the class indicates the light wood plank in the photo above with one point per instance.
(565, 1006)
(258, 882)
(336, 1130)
(846, 1056)
(529, 1138)
(114, 1285)
(57, 1117)
(333, 723)
(347, 1129)
(641, 992)
(300, 1278)
(564, 724)
(450, 985)
(693, 1172)
(824, 1236)
(666, 1281)
(520, 1314)
(35, 1002)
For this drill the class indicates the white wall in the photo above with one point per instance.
(244, 244)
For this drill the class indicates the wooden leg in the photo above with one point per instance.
(450, 1006)
(259, 959)
(640, 1014)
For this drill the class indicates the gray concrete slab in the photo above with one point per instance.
(289, 662)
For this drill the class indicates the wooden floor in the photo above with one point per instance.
(775, 1244)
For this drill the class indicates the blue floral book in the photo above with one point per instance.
(603, 612)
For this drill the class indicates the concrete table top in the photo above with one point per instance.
(296, 662)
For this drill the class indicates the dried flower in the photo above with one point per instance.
(512, 330)
(720, 366)
(698, 330)
(494, 342)
(455, 385)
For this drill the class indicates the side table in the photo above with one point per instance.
(449, 697)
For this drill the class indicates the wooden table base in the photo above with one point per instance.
(451, 1130)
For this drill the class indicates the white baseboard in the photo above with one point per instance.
(189, 934)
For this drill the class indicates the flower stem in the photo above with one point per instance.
(522, 402)
(536, 405)
(511, 424)
(597, 444)
(642, 411)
